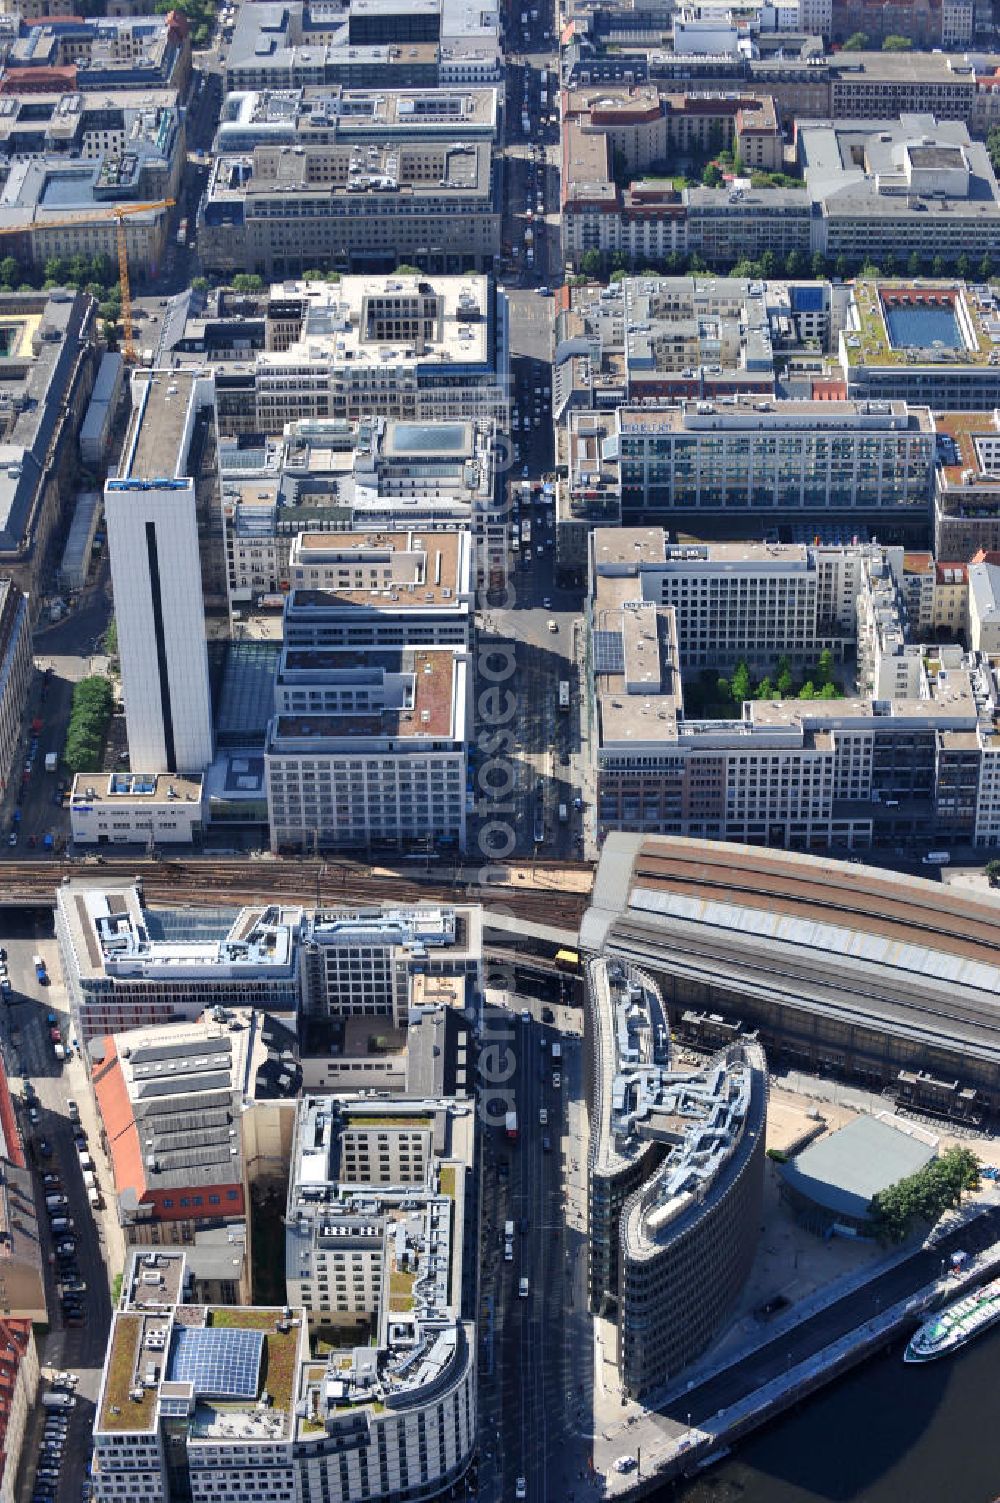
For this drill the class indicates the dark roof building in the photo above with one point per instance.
(832, 1182)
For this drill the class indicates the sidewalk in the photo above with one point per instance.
(109, 1233)
(76, 1087)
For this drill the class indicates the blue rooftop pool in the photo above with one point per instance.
(923, 328)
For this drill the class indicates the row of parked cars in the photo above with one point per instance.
(60, 1400)
(58, 1403)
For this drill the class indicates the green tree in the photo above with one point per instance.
(856, 42)
(922, 1198)
(199, 284)
(590, 264)
(739, 685)
(841, 268)
(618, 276)
(785, 682)
(889, 264)
(818, 266)
(619, 261)
(247, 282)
(711, 176)
(723, 689)
(963, 266)
(110, 642)
(808, 690)
(824, 667)
(984, 270)
(897, 44)
(993, 147)
(914, 264)
(993, 873)
(794, 264)
(9, 272)
(869, 269)
(88, 724)
(404, 269)
(829, 691)
(938, 266)
(103, 270)
(768, 265)
(765, 689)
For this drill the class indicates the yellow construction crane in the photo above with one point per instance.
(120, 212)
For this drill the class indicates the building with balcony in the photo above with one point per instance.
(675, 1178)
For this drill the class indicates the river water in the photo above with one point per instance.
(886, 1433)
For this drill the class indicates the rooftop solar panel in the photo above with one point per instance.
(219, 1362)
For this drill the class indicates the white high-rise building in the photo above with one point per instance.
(156, 574)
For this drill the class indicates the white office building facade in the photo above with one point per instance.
(156, 574)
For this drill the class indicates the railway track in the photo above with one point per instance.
(233, 880)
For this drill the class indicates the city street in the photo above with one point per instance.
(535, 1395)
(545, 765)
(28, 1054)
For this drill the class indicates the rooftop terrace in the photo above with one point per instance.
(868, 340)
